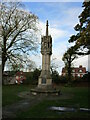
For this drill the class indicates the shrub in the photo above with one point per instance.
(32, 77)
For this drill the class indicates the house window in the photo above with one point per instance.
(21, 76)
(78, 75)
(80, 70)
(73, 70)
(81, 75)
(73, 75)
(17, 77)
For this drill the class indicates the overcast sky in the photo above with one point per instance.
(62, 17)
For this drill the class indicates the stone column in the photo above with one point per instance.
(46, 51)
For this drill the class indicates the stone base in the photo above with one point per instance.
(44, 87)
(45, 91)
(44, 81)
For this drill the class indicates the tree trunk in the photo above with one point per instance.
(4, 53)
(3, 65)
(4, 59)
(69, 73)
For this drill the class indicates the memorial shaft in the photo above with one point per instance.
(45, 79)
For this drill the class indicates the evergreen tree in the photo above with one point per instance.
(82, 38)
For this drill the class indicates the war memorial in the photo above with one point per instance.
(45, 85)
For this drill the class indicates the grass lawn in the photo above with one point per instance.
(78, 100)
(76, 97)
(10, 93)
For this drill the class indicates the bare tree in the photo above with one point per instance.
(18, 33)
(54, 65)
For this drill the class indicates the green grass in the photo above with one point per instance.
(80, 95)
(10, 93)
(75, 97)
(79, 99)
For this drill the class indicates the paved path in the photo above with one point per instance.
(10, 111)
(29, 100)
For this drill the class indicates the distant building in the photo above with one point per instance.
(11, 77)
(76, 71)
(20, 76)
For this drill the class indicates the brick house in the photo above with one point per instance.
(20, 76)
(76, 71)
(11, 77)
